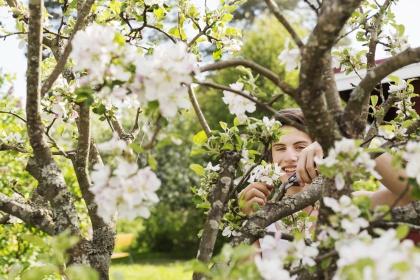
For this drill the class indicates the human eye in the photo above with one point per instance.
(279, 148)
(300, 147)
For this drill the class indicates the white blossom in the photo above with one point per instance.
(127, 190)
(354, 226)
(272, 269)
(92, 50)
(210, 167)
(290, 58)
(412, 156)
(153, 2)
(231, 45)
(400, 86)
(162, 75)
(238, 105)
(114, 145)
(381, 256)
(339, 181)
(268, 174)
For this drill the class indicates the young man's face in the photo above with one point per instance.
(286, 151)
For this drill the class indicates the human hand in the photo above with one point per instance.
(254, 195)
(306, 168)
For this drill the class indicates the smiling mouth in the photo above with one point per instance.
(289, 170)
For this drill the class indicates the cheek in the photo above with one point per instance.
(277, 156)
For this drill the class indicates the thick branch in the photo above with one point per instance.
(334, 15)
(360, 94)
(330, 87)
(103, 233)
(218, 200)
(407, 214)
(80, 22)
(37, 217)
(254, 227)
(254, 66)
(276, 11)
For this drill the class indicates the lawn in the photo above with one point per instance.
(152, 270)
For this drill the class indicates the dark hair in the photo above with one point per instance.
(292, 117)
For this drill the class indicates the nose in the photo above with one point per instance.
(290, 155)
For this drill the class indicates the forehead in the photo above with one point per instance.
(292, 135)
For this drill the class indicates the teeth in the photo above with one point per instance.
(289, 169)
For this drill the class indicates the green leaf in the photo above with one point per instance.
(81, 272)
(152, 162)
(115, 6)
(223, 125)
(394, 79)
(402, 231)
(136, 147)
(200, 138)
(39, 272)
(374, 100)
(119, 39)
(84, 94)
(226, 18)
(197, 168)
(217, 54)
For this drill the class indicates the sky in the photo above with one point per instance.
(12, 59)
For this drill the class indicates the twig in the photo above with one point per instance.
(241, 93)
(80, 22)
(198, 111)
(254, 66)
(13, 114)
(276, 11)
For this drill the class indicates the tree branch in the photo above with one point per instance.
(276, 11)
(80, 22)
(44, 168)
(37, 217)
(254, 66)
(254, 226)
(360, 94)
(218, 200)
(241, 93)
(334, 15)
(198, 111)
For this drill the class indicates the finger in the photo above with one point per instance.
(250, 205)
(256, 201)
(254, 193)
(266, 189)
(301, 169)
(310, 166)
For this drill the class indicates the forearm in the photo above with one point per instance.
(394, 179)
(382, 197)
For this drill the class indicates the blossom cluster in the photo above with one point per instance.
(266, 173)
(122, 187)
(238, 105)
(128, 190)
(347, 218)
(164, 74)
(346, 157)
(385, 257)
(278, 253)
(102, 56)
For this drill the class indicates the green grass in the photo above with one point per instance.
(150, 270)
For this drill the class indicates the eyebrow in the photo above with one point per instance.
(296, 143)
